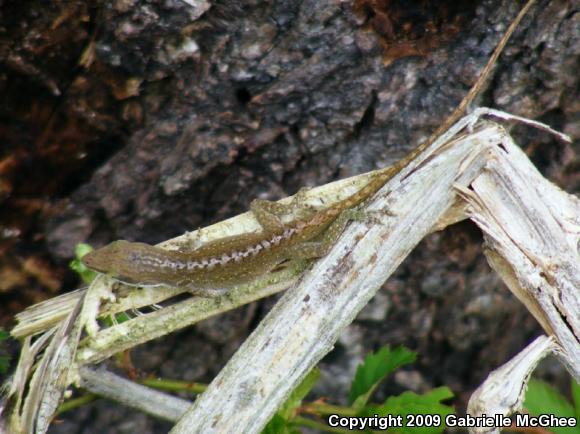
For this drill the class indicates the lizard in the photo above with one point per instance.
(213, 268)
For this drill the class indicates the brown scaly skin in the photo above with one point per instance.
(226, 262)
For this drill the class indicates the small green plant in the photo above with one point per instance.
(4, 360)
(280, 423)
(541, 398)
(425, 411)
(375, 368)
(85, 274)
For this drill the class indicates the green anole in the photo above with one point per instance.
(218, 265)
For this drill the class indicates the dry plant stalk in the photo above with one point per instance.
(307, 321)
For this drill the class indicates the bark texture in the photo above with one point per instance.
(142, 120)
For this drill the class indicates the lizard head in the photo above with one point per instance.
(121, 260)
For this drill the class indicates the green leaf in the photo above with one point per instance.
(81, 249)
(76, 265)
(277, 425)
(281, 422)
(298, 394)
(4, 360)
(410, 406)
(374, 369)
(576, 397)
(541, 398)
(119, 318)
(4, 364)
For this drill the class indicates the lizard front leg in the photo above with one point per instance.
(267, 214)
(317, 249)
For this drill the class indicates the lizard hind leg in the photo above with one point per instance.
(317, 249)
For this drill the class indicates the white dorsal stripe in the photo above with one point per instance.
(225, 258)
